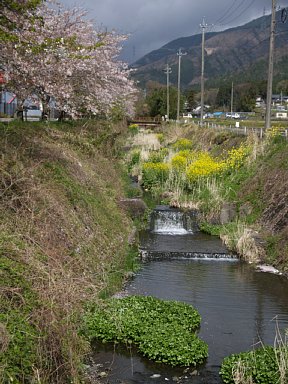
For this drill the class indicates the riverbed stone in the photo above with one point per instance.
(194, 373)
(245, 209)
(227, 213)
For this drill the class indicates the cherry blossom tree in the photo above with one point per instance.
(22, 9)
(63, 55)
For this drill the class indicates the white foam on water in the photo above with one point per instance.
(170, 223)
(172, 231)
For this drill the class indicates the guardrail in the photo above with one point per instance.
(145, 123)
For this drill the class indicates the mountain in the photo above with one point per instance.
(236, 53)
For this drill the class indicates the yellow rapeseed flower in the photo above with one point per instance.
(205, 165)
(236, 157)
(181, 144)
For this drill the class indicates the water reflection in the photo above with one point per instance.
(235, 302)
(238, 305)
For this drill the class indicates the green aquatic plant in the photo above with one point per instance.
(164, 331)
(260, 366)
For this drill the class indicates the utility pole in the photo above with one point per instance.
(179, 54)
(168, 71)
(232, 97)
(270, 67)
(203, 26)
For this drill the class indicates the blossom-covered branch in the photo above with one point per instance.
(62, 55)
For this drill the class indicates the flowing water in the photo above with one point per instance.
(240, 308)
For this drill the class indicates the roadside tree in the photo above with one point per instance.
(157, 102)
(63, 55)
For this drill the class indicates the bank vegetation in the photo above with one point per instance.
(237, 183)
(63, 243)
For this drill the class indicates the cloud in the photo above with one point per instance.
(153, 23)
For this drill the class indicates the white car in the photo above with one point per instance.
(233, 115)
(32, 114)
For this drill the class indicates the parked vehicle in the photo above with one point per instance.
(233, 115)
(31, 113)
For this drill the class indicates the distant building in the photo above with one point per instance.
(281, 115)
(279, 99)
(8, 103)
(259, 102)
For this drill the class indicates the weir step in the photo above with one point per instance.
(157, 255)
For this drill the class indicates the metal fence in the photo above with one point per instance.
(243, 130)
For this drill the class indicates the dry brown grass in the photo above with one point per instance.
(239, 374)
(281, 354)
(59, 205)
(243, 240)
(146, 140)
(4, 338)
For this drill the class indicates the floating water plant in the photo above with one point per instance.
(164, 331)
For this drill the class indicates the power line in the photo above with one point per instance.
(227, 14)
(240, 14)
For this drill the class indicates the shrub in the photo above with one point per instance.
(154, 174)
(182, 144)
(274, 132)
(188, 154)
(259, 365)
(157, 156)
(205, 165)
(134, 159)
(236, 157)
(160, 137)
(133, 129)
(164, 331)
(181, 160)
(179, 163)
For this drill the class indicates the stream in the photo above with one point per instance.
(240, 307)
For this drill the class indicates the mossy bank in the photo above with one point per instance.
(63, 241)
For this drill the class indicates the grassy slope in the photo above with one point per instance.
(62, 238)
(269, 186)
(258, 190)
(263, 185)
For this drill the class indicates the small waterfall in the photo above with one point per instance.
(175, 234)
(169, 221)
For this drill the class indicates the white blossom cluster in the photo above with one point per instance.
(60, 53)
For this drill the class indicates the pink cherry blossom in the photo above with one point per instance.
(64, 56)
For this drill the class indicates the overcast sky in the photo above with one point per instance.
(153, 23)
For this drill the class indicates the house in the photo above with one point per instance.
(259, 102)
(279, 99)
(281, 115)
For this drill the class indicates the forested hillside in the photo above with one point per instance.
(238, 53)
